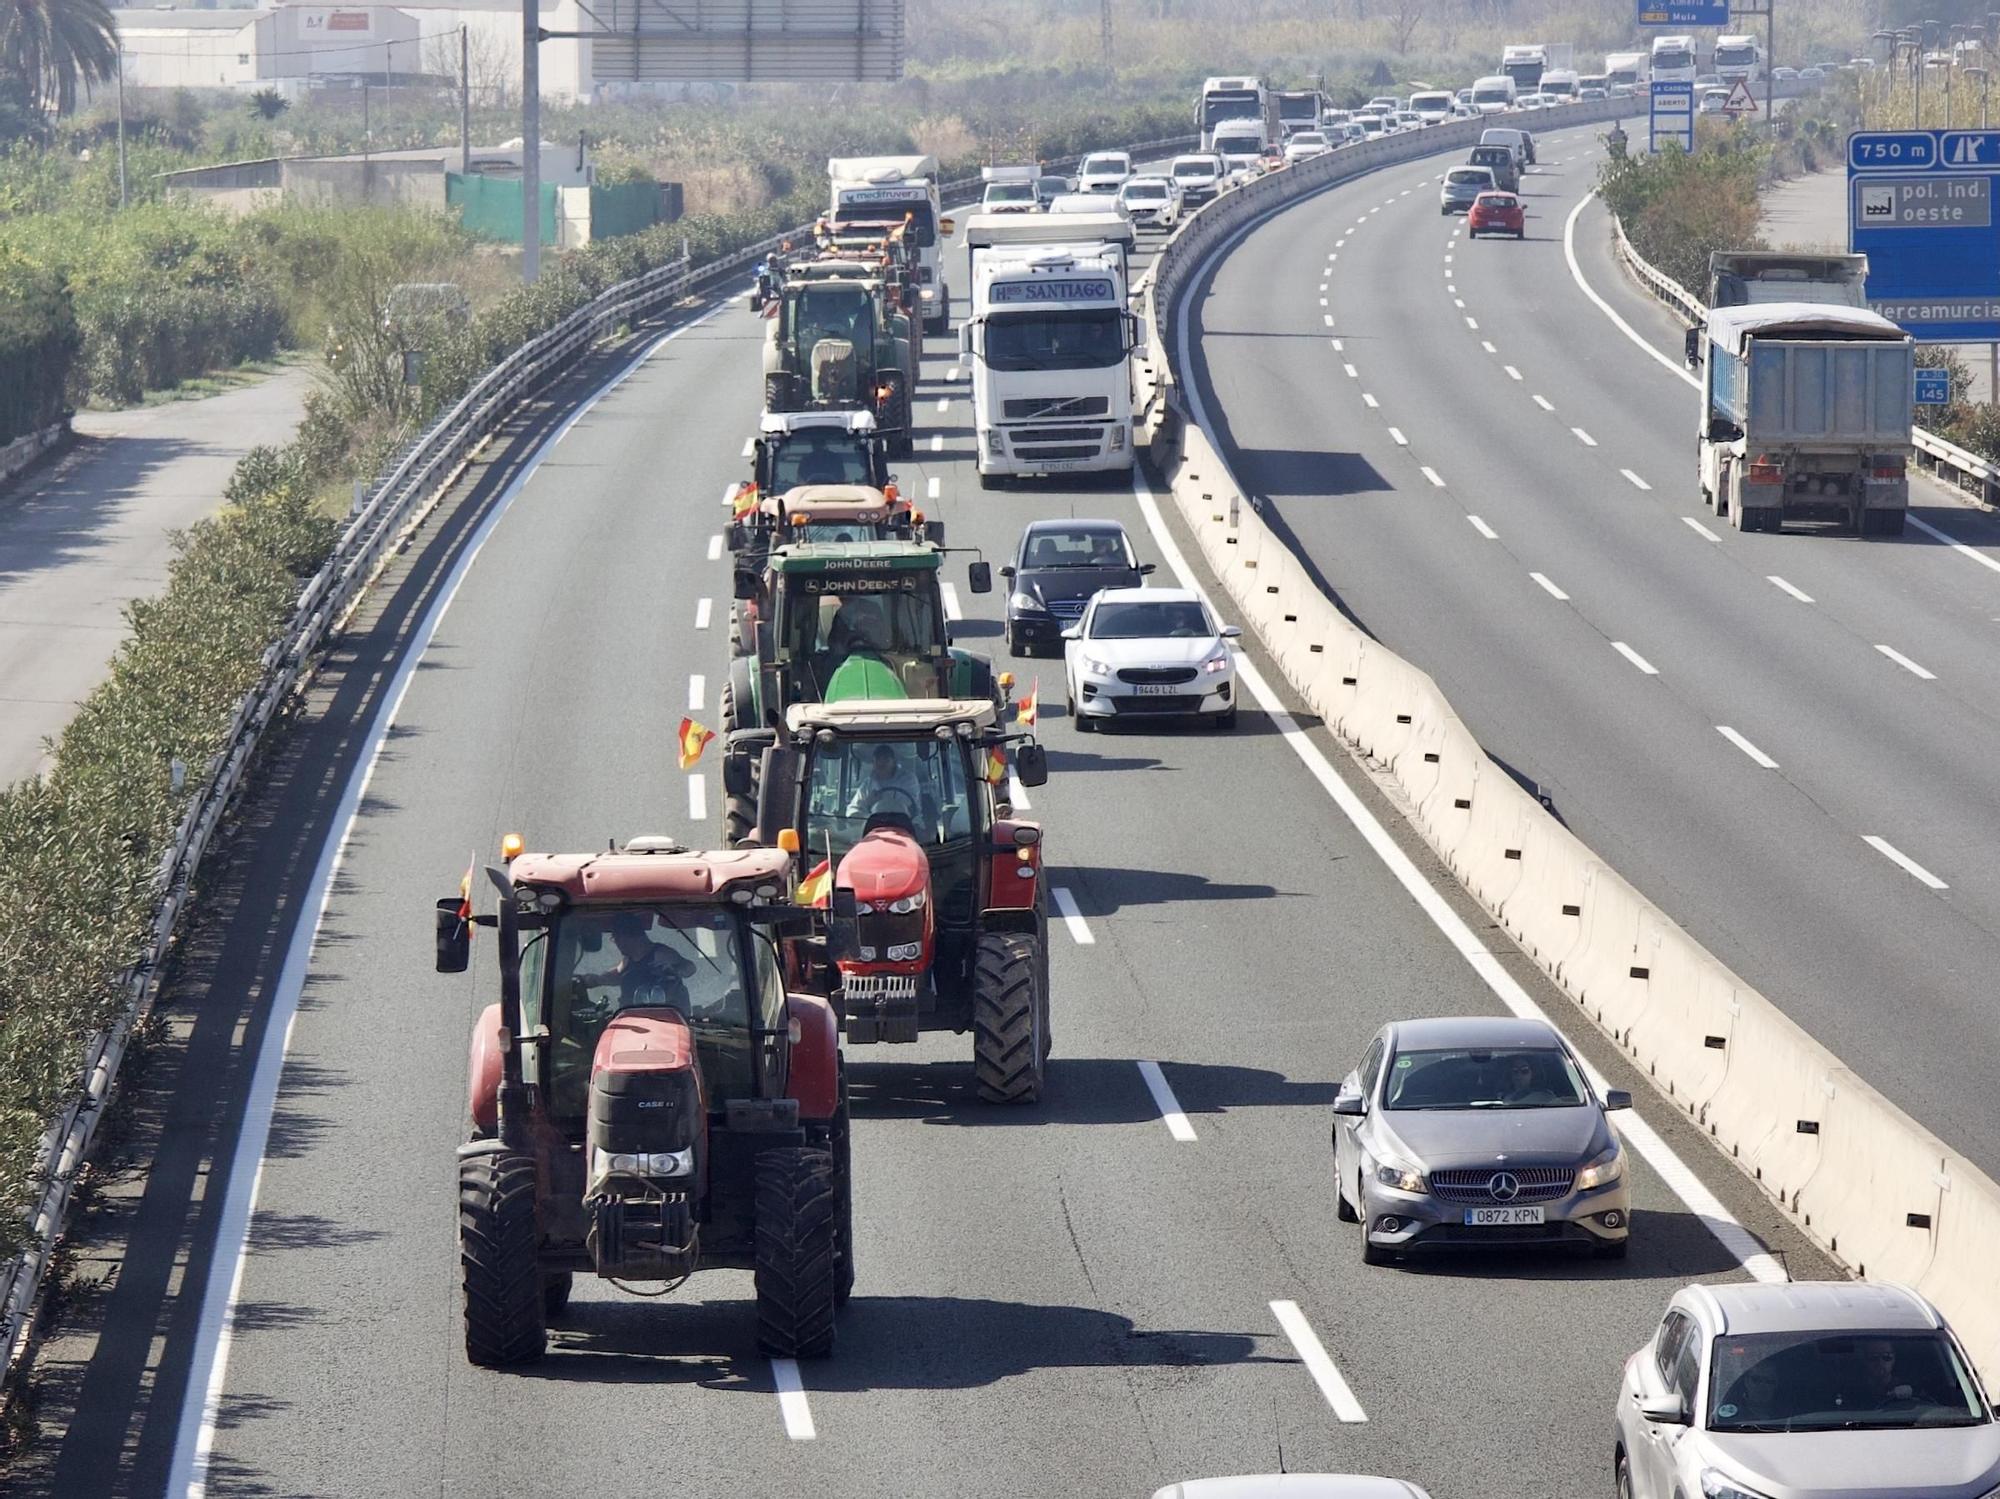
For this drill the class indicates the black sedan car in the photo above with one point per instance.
(1059, 565)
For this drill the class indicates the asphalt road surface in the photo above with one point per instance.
(1066, 1299)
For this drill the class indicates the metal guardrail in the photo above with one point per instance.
(373, 531)
(1962, 468)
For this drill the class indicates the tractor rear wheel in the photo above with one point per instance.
(797, 1214)
(1007, 1018)
(499, 1271)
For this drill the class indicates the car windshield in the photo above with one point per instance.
(1076, 549)
(610, 959)
(919, 786)
(1471, 1078)
(1146, 190)
(1063, 338)
(1495, 200)
(1010, 192)
(811, 457)
(1465, 178)
(1845, 1381)
(1167, 619)
(891, 616)
(1308, 138)
(836, 530)
(1194, 169)
(1098, 165)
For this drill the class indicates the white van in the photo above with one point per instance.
(1431, 108)
(1494, 95)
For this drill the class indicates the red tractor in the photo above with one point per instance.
(936, 908)
(647, 1098)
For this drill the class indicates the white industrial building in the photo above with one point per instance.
(295, 47)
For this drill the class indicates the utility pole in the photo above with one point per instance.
(531, 140)
(122, 199)
(464, 104)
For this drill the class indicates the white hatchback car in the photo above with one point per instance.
(1803, 1390)
(1149, 653)
(1151, 200)
(1304, 145)
(1103, 172)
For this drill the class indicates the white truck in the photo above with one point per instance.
(1674, 59)
(872, 189)
(1493, 95)
(1624, 73)
(1560, 83)
(1049, 340)
(1240, 144)
(1009, 189)
(1524, 63)
(1738, 57)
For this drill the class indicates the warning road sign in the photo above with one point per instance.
(1741, 102)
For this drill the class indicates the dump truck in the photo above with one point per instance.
(1805, 414)
(1740, 278)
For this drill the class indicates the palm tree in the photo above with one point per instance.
(268, 104)
(53, 46)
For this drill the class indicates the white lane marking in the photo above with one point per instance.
(931, 487)
(1584, 437)
(944, 403)
(701, 613)
(1483, 529)
(1397, 434)
(1706, 1207)
(697, 797)
(697, 692)
(1322, 287)
(749, 447)
(1906, 663)
(792, 1407)
(1472, 323)
(1324, 303)
(1746, 746)
(1329, 318)
(1903, 861)
(1017, 794)
(951, 605)
(1352, 372)
(1576, 275)
(1079, 929)
(1512, 373)
(1487, 347)
(1447, 259)
(1635, 658)
(937, 443)
(951, 375)
(1168, 1105)
(1432, 474)
(1544, 403)
(1796, 592)
(1549, 588)
(208, 1365)
(715, 549)
(1458, 302)
(1338, 346)
(1954, 543)
(1637, 482)
(1451, 287)
(1698, 528)
(1370, 402)
(1312, 1353)
(728, 494)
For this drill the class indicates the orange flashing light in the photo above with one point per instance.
(511, 846)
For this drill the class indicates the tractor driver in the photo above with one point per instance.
(648, 974)
(888, 787)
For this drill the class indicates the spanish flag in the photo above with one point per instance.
(1026, 709)
(465, 887)
(996, 767)
(743, 501)
(816, 889)
(694, 739)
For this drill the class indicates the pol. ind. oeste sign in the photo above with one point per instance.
(1683, 12)
(1088, 289)
(1920, 207)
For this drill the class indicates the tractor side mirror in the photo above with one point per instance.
(1145, 569)
(844, 907)
(1691, 346)
(965, 340)
(733, 537)
(934, 532)
(777, 794)
(746, 583)
(1007, 571)
(454, 936)
(843, 925)
(947, 227)
(980, 576)
(1031, 764)
(737, 777)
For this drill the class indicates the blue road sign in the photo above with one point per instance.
(1933, 387)
(1672, 115)
(1683, 12)
(1920, 207)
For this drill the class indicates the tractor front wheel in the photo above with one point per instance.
(506, 1321)
(1008, 1017)
(797, 1249)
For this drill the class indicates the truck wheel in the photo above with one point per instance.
(796, 1213)
(1006, 1018)
(499, 1270)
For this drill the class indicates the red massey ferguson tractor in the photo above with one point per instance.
(936, 915)
(647, 1099)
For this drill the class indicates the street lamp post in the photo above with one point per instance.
(1888, 67)
(1982, 74)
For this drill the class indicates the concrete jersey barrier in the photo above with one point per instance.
(1860, 1177)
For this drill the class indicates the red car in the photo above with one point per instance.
(1496, 213)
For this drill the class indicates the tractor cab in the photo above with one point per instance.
(642, 1083)
(935, 915)
(820, 476)
(836, 344)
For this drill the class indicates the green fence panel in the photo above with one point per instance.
(624, 209)
(490, 207)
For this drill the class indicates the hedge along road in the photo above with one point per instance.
(1781, 739)
(1075, 1297)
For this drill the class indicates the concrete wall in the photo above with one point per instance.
(418, 184)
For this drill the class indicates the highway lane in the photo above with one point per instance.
(1601, 645)
(1062, 1299)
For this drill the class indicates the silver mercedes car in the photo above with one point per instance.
(1475, 1132)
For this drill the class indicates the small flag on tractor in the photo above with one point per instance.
(996, 767)
(465, 887)
(1025, 710)
(694, 739)
(816, 889)
(743, 501)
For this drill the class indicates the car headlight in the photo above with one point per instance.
(1715, 1485)
(1218, 663)
(909, 903)
(1026, 603)
(927, 294)
(1096, 668)
(1402, 1178)
(1602, 1170)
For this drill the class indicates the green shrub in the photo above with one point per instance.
(38, 342)
(1677, 207)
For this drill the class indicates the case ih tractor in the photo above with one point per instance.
(647, 1100)
(836, 342)
(938, 916)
